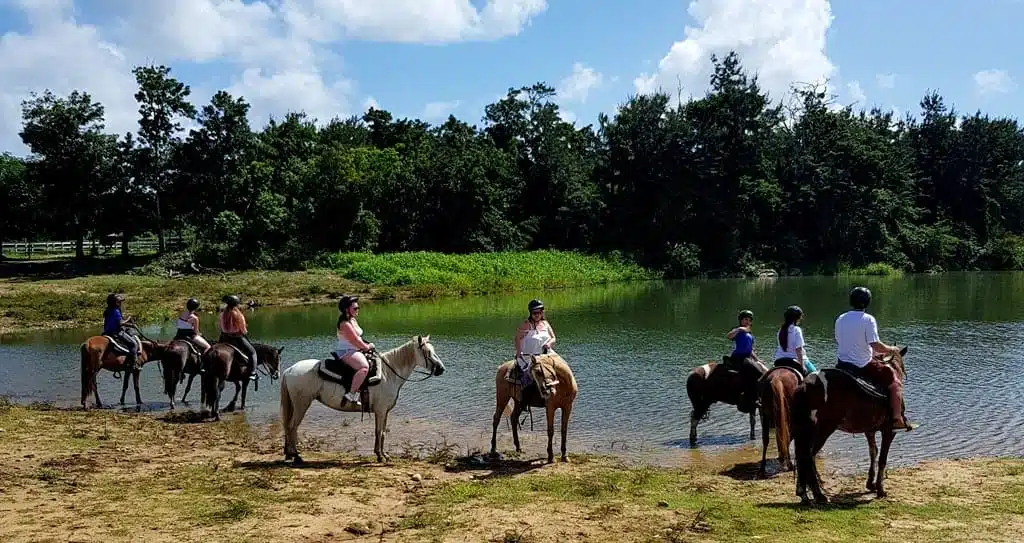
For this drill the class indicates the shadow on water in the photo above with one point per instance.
(709, 441)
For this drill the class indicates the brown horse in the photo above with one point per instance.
(554, 388)
(831, 400)
(223, 362)
(710, 383)
(177, 359)
(776, 390)
(98, 354)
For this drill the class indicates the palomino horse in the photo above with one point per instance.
(831, 400)
(776, 390)
(178, 358)
(710, 383)
(98, 354)
(223, 362)
(554, 387)
(301, 384)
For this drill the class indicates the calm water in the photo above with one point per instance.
(631, 347)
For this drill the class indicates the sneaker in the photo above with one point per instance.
(353, 397)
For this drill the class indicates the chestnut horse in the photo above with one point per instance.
(554, 388)
(831, 400)
(710, 383)
(98, 354)
(776, 390)
(223, 362)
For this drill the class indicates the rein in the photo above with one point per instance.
(428, 374)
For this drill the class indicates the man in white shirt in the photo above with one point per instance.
(858, 342)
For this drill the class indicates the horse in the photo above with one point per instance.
(303, 382)
(831, 400)
(99, 353)
(776, 390)
(179, 357)
(710, 383)
(554, 387)
(223, 362)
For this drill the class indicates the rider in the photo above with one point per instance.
(114, 326)
(233, 328)
(351, 345)
(790, 351)
(535, 336)
(188, 326)
(745, 360)
(857, 341)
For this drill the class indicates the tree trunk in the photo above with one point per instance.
(79, 244)
(125, 252)
(161, 243)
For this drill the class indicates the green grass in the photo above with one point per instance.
(876, 269)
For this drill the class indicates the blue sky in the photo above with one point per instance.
(334, 57)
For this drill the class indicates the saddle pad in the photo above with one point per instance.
(868, 387)
(116, 344)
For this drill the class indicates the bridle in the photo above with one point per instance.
(427, 374)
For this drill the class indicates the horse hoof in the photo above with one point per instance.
(821, 500)
(880, 494)
(871, 486)
(565, 459)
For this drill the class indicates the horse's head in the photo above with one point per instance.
(427, 357)
(152, 350)
(272, 360)
(895, 361)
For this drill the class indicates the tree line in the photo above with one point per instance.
(723, 183)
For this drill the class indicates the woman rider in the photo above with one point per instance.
(233, 328)
(745, 360)
(114, 326)
(188, 326)
(790, 350)
(351, 345)
(535, 336)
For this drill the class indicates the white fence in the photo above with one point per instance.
(68, 247)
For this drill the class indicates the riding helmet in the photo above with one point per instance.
(114, 297)
(346, 301)
(793, 313)
(192, 304)
(746, 314)
(535, 305)
(230, 300)
(860, 298)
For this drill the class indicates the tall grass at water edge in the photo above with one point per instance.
(438, 273)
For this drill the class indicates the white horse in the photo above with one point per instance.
(301, 384)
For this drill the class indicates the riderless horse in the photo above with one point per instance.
(710, 383)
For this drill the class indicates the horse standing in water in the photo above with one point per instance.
(302, 383)
(776, 391)
(180, 357)
(710, 383)
(102, 353)
(223, 362)
(831, 400)
(553, 387)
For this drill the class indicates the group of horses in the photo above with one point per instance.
(803, 410)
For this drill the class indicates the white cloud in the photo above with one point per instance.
(278, 50)
(886, 81)
(783, 41)
(576, 86)
(439, 111)
(856, 93)
(369, 103)
(994, 82)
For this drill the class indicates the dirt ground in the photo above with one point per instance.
(115, 476)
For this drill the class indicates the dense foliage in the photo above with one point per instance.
(726, 183)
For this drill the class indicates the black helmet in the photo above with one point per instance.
(114, 298)
(230, 300)
(535, 305)
(793, 313)
(346, 301)
(192, 304)
(746, 314)
(860, 298)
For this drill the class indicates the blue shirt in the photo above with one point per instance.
(112, 322)
(744, 344)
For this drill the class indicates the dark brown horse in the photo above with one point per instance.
(179, 358)
(98, 354)
(710, 383)
(223, 362)
(831, 400)
(776, 390)
(555, 389)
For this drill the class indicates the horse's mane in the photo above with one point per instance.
(402, 353)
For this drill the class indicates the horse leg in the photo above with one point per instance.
(381, 420)
(96, 389)
(135, 383)
(234, 400)
(188, 387)
(292, 412)
(873, 453)
(762, 471)
(550, 411)
(698, 412)
(883, 457)
(502, 397)
(514, 418)
(824, 431)
(566, 412)
(245, 387)
(124, 385)
(752, 419)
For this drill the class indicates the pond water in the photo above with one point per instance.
(631, 347)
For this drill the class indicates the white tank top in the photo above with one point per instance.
(343, 342)
(533, 342)
(183, 323)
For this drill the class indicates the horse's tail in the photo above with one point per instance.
(86, 374)
(803, 436)
(780, 412)
(172, 374)
(695, 385)
(287, 409)
(209, 384)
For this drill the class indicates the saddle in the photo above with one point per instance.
(784, 367)
(337, 371)
(866, 386)
(117, 346)
(529, 392)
